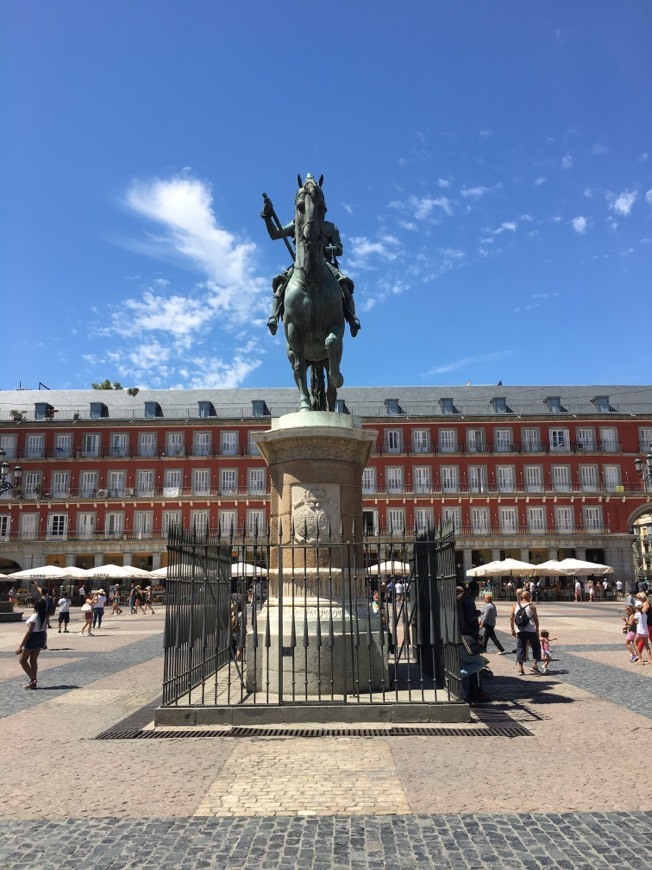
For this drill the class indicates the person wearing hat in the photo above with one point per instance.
(98, 608)
(642, 641)
(642, 606)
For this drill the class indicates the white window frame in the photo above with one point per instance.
(393, 441)
(57, 526)
(506, 478)
(531, 439)
(60, 484)
(62, 445)
(201, 444)
(394, 479)
(452, 515)
(147, 444)
(593, 519)
(5, 527)
(119, 444)
(503, 440)
(508, 518)
(86, 525)
(143, 524)
(395, 518)
(370, 528)
(533, 478)
(254, 449)
(645, 440)
(257, 481)
(561, 478)
(91, 444)
(228, 481)
(34, 446)
(612, 477)
(564, 519)
(88, 484)
(9, 443)
(114, 524)
(449, 476)
(448, 440)
(169, 519)
(145, 483)
(423, 520)
(28, 526)
(477, 478)
(422, 477)
(30, 484)
(589, 480)
(475, 441)
(229, 442)
(536, 520)
(175, 444)
(256, 523)
(609, 439)
(172, 482)
(228, 523)
(479, 520)
(201, 482)
(558, 440)
(200, 522)
(368, 481)
(585, 439)
(420, 441)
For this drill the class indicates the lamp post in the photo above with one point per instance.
(6, 606)
(5, 483)
(644, 468)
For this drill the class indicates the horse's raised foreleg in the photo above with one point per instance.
(333, 345)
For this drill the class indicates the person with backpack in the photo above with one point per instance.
(524, 623)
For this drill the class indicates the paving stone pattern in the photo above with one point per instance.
(574, 841)
(68, 800)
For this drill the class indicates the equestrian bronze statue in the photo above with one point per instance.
(312, 297)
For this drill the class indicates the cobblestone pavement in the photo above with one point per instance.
(336, 802)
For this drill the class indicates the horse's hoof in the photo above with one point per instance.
(272, 325)
(355, 327)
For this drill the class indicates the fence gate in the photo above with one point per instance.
(382, 631)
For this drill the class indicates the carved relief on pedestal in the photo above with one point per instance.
(315, 512)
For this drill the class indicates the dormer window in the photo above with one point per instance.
(393, 408)
(206, 409)
(500, 405)
(43, 411)
(259, 408)
(448, 406)
(152, 409)
(340, 407)
(554, 405)
(602, 405)
(98, 410)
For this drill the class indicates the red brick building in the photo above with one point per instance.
(529, 472)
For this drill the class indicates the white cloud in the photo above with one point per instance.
(567, 161)
(579, 224)
(506, 226)
(474, 192)
(540, 180)
(623, 203)
(648, 196)
(465, 362)
(364, 250)
(443, 182)
(588, 193)
(421, 208)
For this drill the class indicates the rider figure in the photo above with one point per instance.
(332, 250)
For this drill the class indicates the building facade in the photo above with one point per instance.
(529, 472)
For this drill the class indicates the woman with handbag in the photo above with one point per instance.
(524, 622)
(34, 641)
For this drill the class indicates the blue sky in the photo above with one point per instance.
(489, 165)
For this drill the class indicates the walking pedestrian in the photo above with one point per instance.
(87, 613)
(98, 608)
(147, 599)
(64, 612)
(546, 656)
(138, 600)
(619, 589)
(629, 630)
(578, 590)
(35, 639)
(116, 609)
(527, 623)
(82, 595)
(51, 606)
(488, 619)
(642, 633)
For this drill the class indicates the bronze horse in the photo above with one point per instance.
(313, 315)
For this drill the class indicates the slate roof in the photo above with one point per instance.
(468, 401)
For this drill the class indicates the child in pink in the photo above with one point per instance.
(544, 637)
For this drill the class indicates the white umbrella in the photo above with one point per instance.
(72, 572)
(573, 567)
(244, 569)
(551, 568)
(502, 568)
(45, 572)
(392, 566)
(117, 572)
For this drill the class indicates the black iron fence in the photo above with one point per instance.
(310, 623)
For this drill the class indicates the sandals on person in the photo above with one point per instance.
(534, 671)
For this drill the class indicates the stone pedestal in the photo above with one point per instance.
(316, 570)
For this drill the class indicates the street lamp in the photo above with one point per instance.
(5, 483)
(644, 468)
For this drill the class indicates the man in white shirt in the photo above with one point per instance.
(64, 612)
